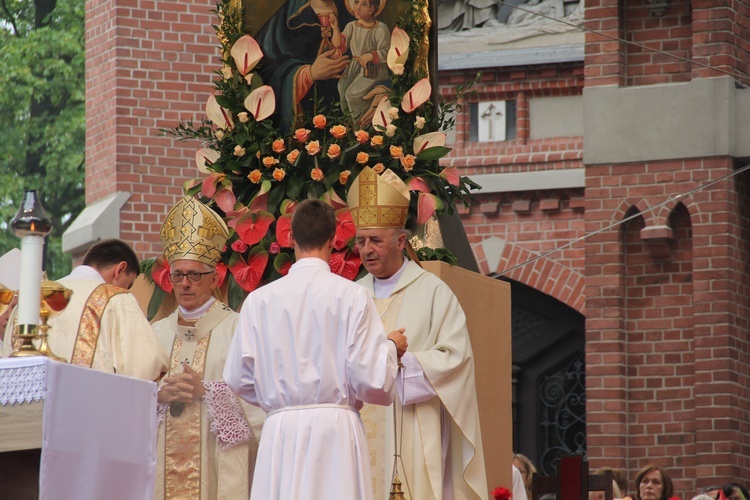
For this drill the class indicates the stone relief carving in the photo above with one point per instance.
(459, 15)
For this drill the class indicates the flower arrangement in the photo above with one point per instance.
(254, 175)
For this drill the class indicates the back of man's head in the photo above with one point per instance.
(313, 224)
(106, 253)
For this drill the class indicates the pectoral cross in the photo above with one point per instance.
(189, 334)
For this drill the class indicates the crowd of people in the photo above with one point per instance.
(651, 482)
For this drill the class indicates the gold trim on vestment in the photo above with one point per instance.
(91, 323)
(182, 434)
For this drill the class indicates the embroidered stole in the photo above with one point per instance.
(182, 433)
(91, 323)
(377, 419)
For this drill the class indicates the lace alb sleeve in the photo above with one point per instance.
(225, 414)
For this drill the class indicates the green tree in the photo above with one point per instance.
(42, 115)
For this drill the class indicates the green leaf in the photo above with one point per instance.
(155, 303)
(433, 153)
(235, 294)
(294, 186)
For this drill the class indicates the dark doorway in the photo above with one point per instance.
(549, 385)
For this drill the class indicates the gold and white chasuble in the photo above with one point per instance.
(208, 450)
(437, 334)
(103, 328)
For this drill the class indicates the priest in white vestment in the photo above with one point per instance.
(103, 327)
(207, 436)
(437, 393)
(309, 349)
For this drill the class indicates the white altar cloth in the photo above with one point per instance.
(98, 429)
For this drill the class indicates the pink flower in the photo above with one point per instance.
(275, 248)
(239, 246)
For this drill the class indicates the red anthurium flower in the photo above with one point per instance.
(417, 184)
(160, 275)
(221, 270)
(345, 228)
(236, 215)
(451, 175)
(284, 231)
(248, 274)
(333, 199)
(210, 184)
(225, 199)
(427, 204)
(345, 264)
(252, 227)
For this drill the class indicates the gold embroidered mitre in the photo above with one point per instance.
(378, 201)
(192, 231)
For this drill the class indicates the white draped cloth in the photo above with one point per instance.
(310, 348)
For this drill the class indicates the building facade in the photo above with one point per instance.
(610, 199)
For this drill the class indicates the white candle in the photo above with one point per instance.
(30, 289)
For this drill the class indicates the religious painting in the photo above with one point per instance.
(330, 56)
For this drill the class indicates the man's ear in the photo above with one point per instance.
(332, 241)
(402, 240)
(120, 269)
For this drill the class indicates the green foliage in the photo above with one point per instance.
(42, 116)
(443, 254)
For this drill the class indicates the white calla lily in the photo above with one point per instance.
(205, 157)
(381, 119)
(398, 52)
(246, 54)
(417, 95)
(261, 102)
(220, 116)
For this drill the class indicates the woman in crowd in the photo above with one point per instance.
(653, 483)
(527, 470)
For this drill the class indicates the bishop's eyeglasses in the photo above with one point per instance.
(192, 276)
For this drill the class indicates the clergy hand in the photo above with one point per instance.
(398, 338)
(325, 68)
(183, 387)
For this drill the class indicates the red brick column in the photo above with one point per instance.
(148, 66)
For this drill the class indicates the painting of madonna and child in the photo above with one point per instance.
(322, 54)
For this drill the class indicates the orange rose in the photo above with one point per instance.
(344, 176)
(319, 121)
(292, 156)
(313, 148)
(377, 141)
(278, 146)
(408, 162)
(362, 157)
(269, 161)
(397, 151)
(334, 151)
(378, 168)
(362, 136)
(255, 176)
(338, 131)
(279, 174)
(301, 135)
(317, 174)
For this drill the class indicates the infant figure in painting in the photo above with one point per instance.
(368, 40)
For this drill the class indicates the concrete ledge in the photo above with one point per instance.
(702, 118)
(531, 181)
(98, 221)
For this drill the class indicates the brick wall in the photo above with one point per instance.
(149, 65)
(665, 337)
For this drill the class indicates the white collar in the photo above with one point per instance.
(384, 287)
(85, 273)
(197, 313)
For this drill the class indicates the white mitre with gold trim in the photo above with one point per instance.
(378, 201)
(192, 231)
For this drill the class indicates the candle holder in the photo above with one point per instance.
(55, 298)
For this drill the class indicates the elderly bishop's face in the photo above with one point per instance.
(381, 250)
(192, 294)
